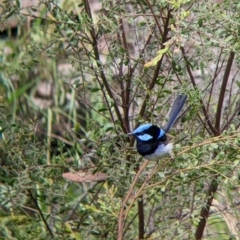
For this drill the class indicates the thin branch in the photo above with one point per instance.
(95, 196)
(126, 92)
(103, 77)
(130, 223)
(214, 131)
(222, 94)
(214, 185)
(72, 211)
(233, 96)
(40, 212)
(205, 209)
(156, 18)
(141, 231)
(123, 214)
(231, 118)
(214, 78)
(157, 70)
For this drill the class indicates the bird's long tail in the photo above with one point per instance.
(177, 107)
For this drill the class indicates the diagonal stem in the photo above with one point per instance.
(214, 185)
(102, 74)
(205, 209)
(222, 93)
(40, 212)
(210, 125)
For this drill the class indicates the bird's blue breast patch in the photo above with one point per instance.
(142, 128)
(161, 133)
(145, 137)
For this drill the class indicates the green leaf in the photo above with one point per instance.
(103, 109)
(214, 145)
(159, 56)
(10, 14)
(18, 3)
(95, 89)
(200, 22)
(20, 91)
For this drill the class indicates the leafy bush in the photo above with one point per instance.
(77, 77)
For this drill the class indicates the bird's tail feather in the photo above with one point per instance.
(177, 107)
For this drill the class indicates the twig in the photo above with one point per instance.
(222, 93)
(156, 73)
(141, 218)
(102, 74)
(40, 212)
(123, 213)
(205, 209)
(214, 131)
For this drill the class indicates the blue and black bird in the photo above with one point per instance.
(152, 142)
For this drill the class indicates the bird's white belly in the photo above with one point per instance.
(161, 151)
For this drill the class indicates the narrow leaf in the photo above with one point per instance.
(157, 58)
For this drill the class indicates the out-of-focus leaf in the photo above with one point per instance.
(157, 58)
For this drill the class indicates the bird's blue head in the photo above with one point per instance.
(149, 133)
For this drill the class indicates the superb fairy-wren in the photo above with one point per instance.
(152, 142)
